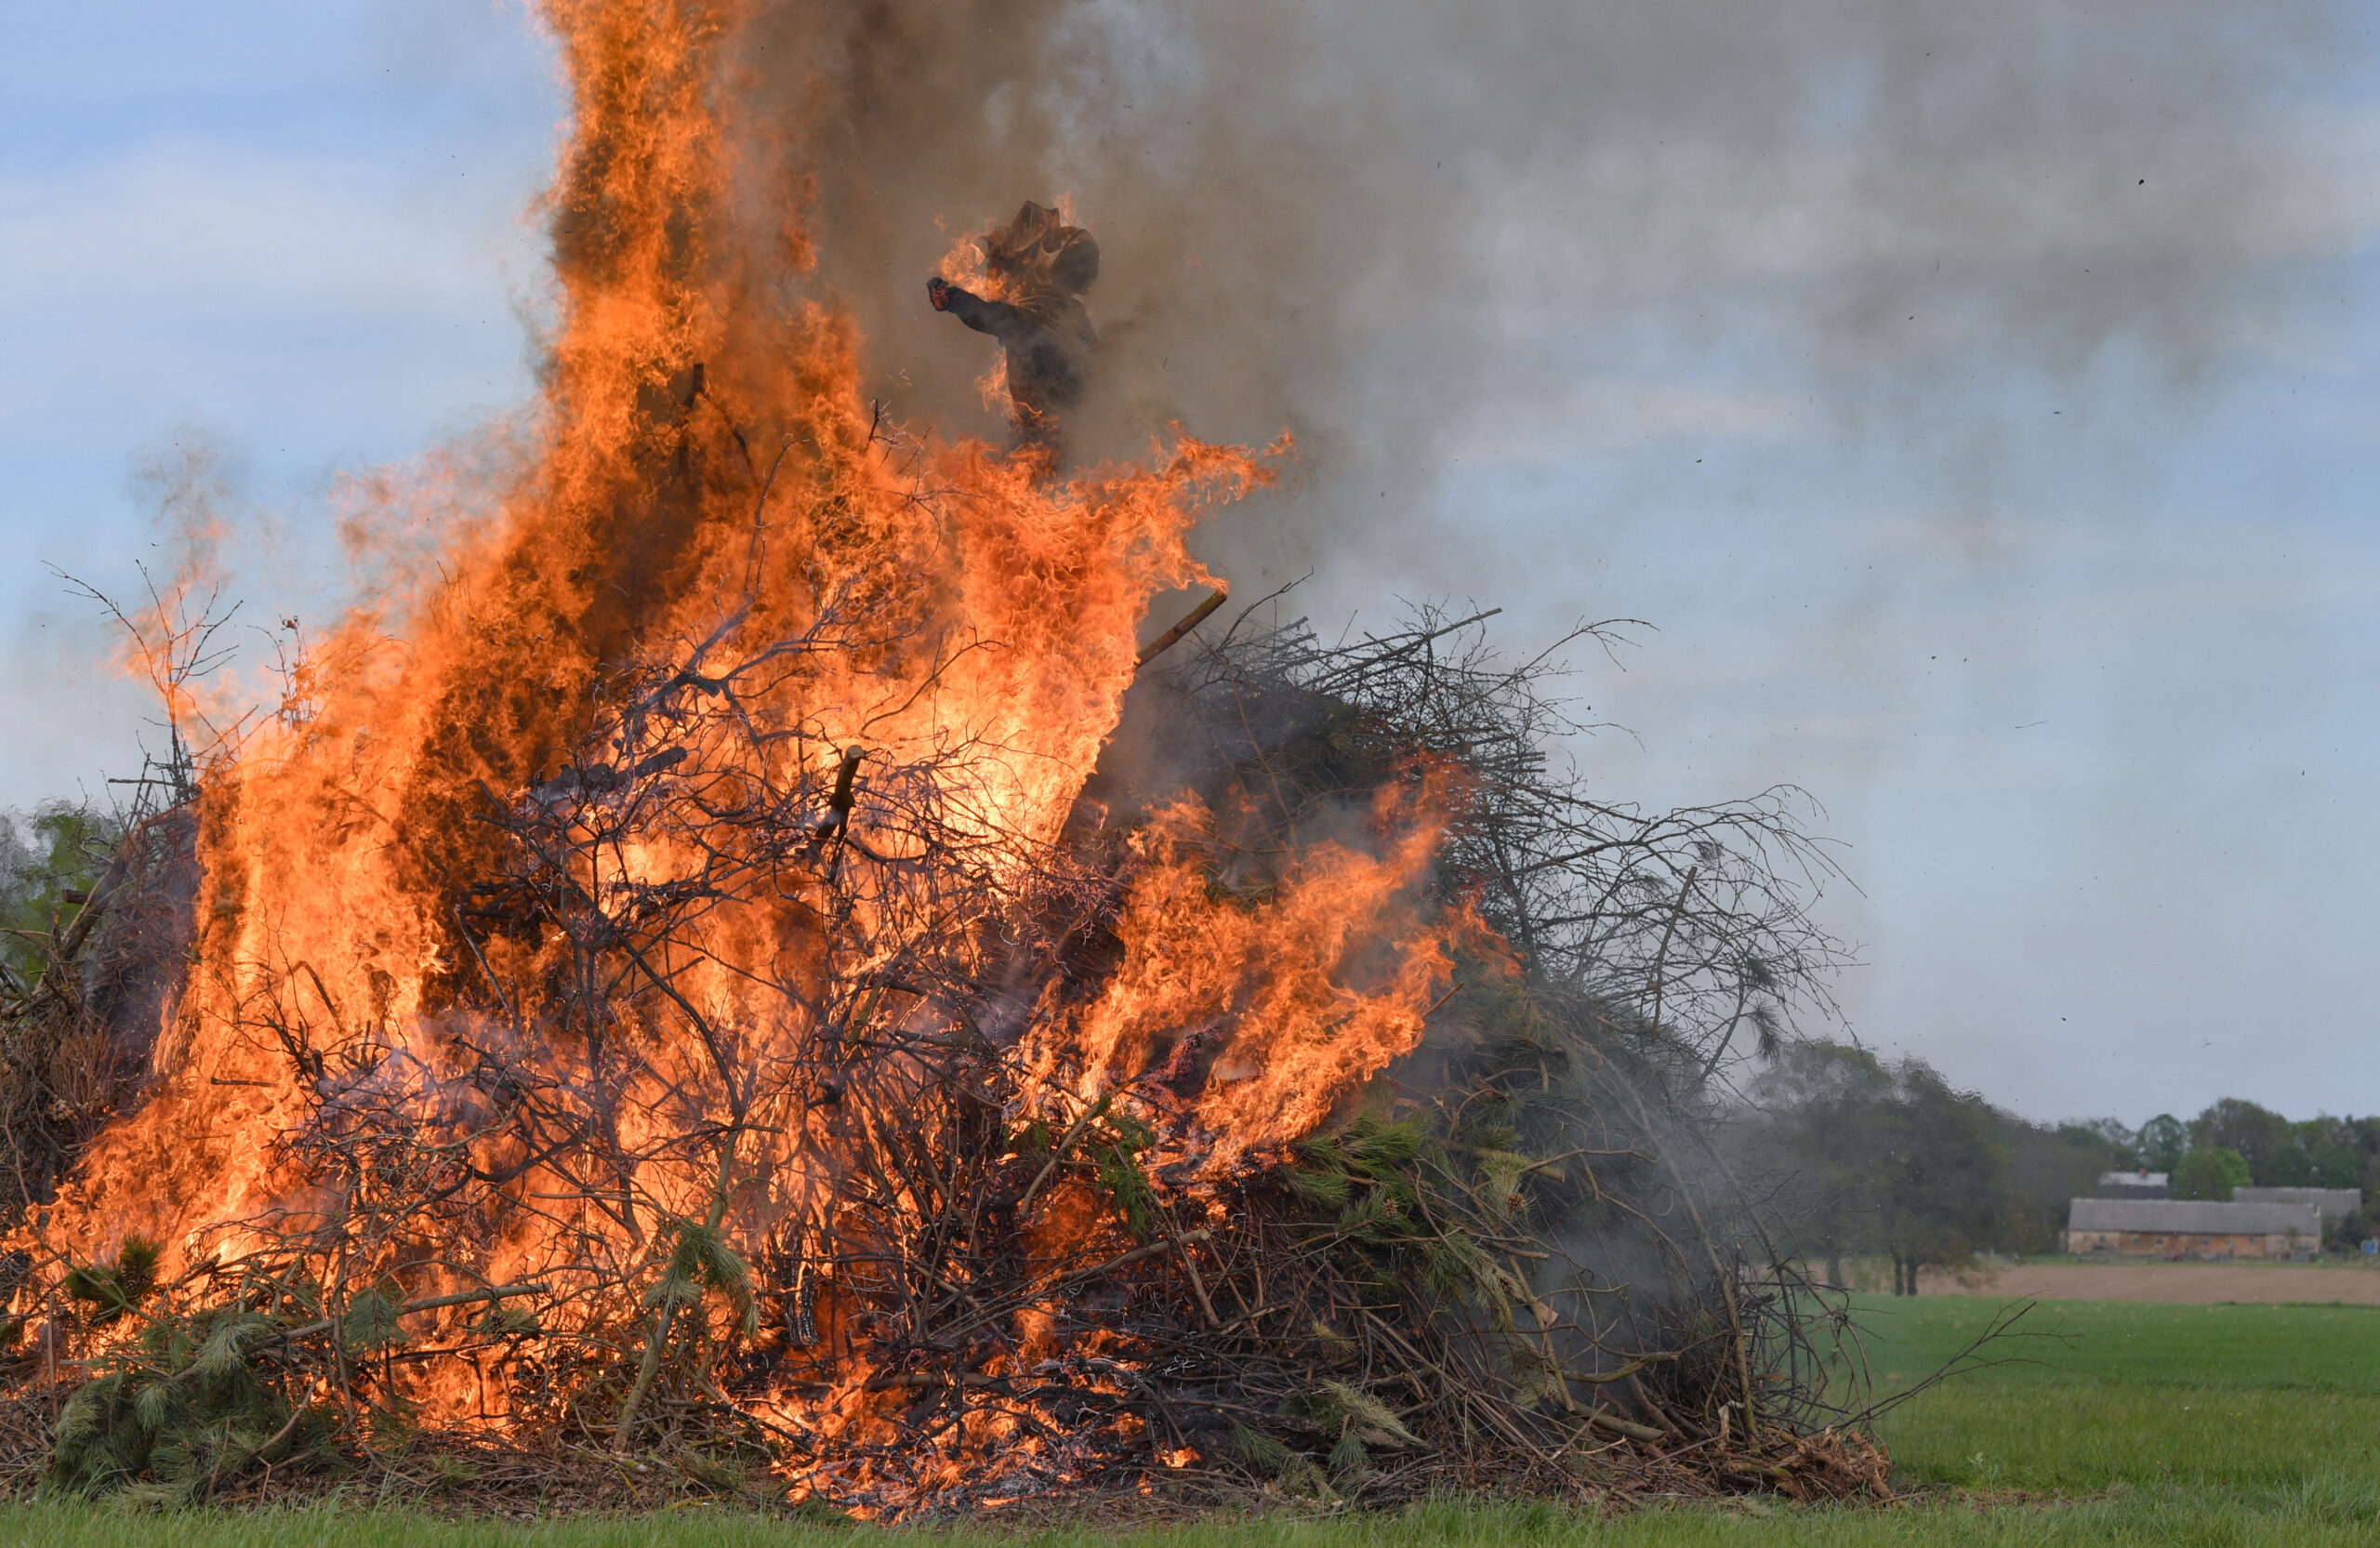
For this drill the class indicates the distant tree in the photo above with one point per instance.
(1892, 1160)
(2258, 1135)
(2162, 1143)
(1947, 1183)
(2210, 1171)
(2347, 1233)
(2363, 1136)
(2329, 1154)
(2286, 1163)
(1822, 1123)
(2116, 1147)
(2320, 1154)
(2049, 1167)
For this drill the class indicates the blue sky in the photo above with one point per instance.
(292, 235)
(2011, 495)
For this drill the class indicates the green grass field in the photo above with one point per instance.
(2112, 1422)
(2109, 1394)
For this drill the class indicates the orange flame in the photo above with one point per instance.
(703, 476)
(1264, 1006)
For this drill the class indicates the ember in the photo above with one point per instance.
(734, 965)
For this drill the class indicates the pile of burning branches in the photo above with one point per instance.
(783, 1118)
(724, 973)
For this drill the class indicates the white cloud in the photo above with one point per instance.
(191, 281)
(186, 226)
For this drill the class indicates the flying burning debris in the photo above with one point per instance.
(1035, 272)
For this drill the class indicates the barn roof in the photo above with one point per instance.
(2192, 1215)
(2334, 1203)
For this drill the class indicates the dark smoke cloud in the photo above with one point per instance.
(1391, 225)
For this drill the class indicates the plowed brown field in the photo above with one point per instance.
(2190, 1283)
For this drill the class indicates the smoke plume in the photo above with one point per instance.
(1397, 228)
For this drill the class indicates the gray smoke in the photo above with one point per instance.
(1395, 227)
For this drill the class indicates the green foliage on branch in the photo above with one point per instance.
(187, 1410)
(112, 1289)
(702, 1262)
(50, 863)
(1114, 1151)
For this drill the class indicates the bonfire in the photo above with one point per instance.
(742, 975)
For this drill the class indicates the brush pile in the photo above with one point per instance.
(951, 1250)
(724, 973)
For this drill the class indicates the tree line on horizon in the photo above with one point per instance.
(1887, 1161)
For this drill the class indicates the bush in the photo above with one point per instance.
(2210, 1171)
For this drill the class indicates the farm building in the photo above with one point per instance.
(2190, 1228)
(2143, 1184)
(2334, 1203)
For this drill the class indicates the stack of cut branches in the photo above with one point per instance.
(835, 1229)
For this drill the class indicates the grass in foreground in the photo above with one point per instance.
(2149, 1425)
(2100, 1393)
(2319, 1514)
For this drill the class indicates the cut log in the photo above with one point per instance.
(1172, 637)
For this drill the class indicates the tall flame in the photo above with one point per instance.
(703, 478)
